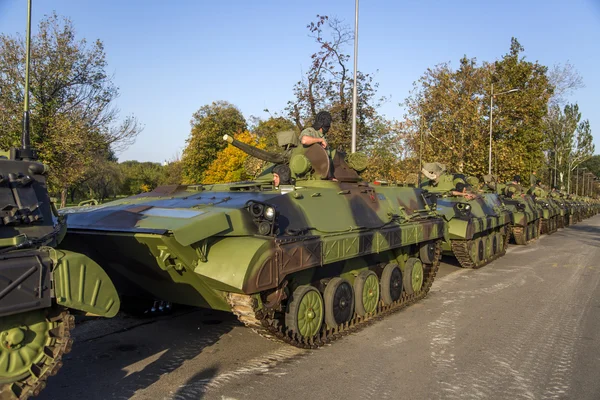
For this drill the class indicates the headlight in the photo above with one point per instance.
(269, 213)
(264, 217)
(256, 209)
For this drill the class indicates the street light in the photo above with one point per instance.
(491, 116)
(354, 89)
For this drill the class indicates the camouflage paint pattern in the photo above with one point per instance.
(194, 244)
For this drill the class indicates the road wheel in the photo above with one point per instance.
(413, 276)
(366, 293)
(427, 252)
(500, 241)
(391, 283)
(31, 348)
(339, 302)
(474, 251)
(304, 314)
(488, 246)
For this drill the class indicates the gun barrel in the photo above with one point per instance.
(256, 152)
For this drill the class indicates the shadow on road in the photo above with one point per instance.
(117, 365)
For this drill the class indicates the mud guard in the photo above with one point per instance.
(81, 284)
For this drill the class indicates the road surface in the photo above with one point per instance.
(527, 326)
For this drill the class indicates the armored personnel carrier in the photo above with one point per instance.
(303, 253)
(526, 213)
(40, 285)
(551, 210)
(478, 223)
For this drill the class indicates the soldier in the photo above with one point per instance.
(514, 188)
(461, 190)
(281, 175)
(533, 179)
(316, 133)
(441, 181)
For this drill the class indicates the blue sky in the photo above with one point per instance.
(171, 57)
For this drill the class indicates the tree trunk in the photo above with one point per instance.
(63, 197)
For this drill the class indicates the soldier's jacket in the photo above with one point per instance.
(312, 132)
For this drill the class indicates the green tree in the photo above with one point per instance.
(73, 118)
(518, 122)
(448, 115)
(328, 85)
(267, 129)
(592, 164)
(138, 177)
(209, 124)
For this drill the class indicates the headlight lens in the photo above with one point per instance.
(269, 213)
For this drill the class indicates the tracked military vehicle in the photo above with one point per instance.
(551, 210)
(40, 285)
(526, 213)
(303, 261)
(478, 224)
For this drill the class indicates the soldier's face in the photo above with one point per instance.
(276, 179)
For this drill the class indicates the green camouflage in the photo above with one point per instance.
(478, 227)
(218, 246)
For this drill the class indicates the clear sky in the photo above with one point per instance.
(171, 57)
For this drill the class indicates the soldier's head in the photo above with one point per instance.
(281, 175)
(461, 187)
(322, 121)
(538, 182)
(517, 179)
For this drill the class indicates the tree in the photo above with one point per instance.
(565, 79)
(448, 115)
(209, 124)
(228, 166)
(569, 141)
(581, 147)
(267, 129)
(138, 177)
(328, 85)
(593, 165)
(172, 171)
(71, 99)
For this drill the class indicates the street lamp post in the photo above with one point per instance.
(491, 116)
(355, 89)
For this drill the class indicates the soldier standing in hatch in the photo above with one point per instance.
(316, 133)
(533, 179)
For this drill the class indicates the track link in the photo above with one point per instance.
(33, 383)
(460, 248)
(246, 308)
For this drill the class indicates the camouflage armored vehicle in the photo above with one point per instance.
(39, 284)
(564, 218)
(478, 224)
(551, 210)
(526, 213)
(300, 254)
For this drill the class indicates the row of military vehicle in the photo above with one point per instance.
(305, 253)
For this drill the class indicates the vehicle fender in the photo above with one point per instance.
(81, 284)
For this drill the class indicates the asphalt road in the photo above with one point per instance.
(526, 326)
